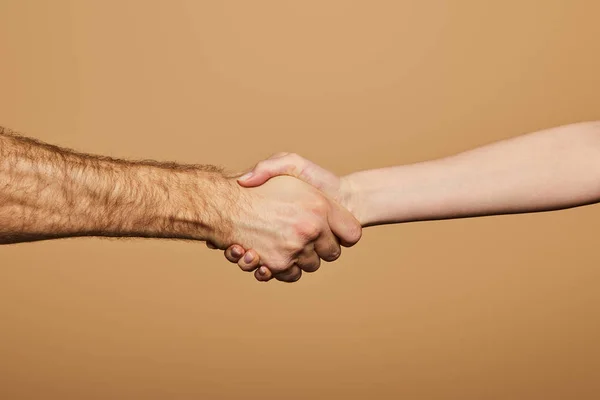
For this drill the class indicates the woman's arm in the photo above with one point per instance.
(547, 170)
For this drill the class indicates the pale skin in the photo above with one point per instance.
(547, 170)
(48, 192)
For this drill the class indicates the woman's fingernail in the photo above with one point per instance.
(245, 176)
(248, 257)
(236, 252)
(262, 270)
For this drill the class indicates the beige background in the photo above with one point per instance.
(491, 308)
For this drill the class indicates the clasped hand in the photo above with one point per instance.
(293, 215)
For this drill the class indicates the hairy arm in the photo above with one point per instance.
(546, 170)
(49, 192)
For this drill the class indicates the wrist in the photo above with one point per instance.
(352, 197)
(161, 202)
(202, 206)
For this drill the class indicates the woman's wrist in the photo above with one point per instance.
(352, 197)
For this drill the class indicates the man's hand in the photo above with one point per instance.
(290, 224)
(331, 185)
(50, 192)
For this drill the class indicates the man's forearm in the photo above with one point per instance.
(546, 170)
(48, 192)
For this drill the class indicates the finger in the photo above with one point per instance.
(327, 246)
(266, 169)
(234, 253)
(344, 225)
(210, 245)
(263, 274)
(308, 260)
(292, 274)
(250, 261)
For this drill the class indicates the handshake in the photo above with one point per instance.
(289, 214)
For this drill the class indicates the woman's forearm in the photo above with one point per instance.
(547, 170)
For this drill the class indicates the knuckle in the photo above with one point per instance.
(320, 206)
(295, 158)
(296, 162)
(279, 264)
(310, 233)
(293, 243)
(307, 231)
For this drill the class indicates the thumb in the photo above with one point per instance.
(253, 178)
(265, 170)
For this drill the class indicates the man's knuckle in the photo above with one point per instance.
(320, 206)
(311, 232)
(307, 230)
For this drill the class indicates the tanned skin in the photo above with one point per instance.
(51, 192)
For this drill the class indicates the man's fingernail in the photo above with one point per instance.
(248, 257)
(245, 176)
(236, 252)
(262, 271)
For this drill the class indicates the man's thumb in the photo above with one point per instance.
(267, 169)
(255, 177)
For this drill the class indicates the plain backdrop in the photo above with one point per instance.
(489, 308)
